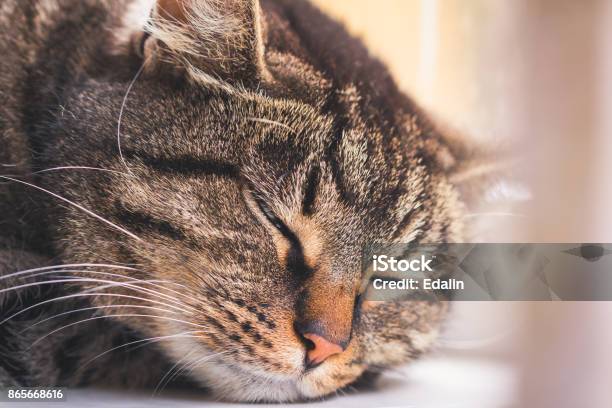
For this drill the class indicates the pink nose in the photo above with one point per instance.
(322, 349)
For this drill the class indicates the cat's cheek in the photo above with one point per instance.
(415, 330)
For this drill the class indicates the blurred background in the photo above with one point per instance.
(535, 75)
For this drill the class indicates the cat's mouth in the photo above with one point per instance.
(231, 380)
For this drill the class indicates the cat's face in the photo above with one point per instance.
(247, 210)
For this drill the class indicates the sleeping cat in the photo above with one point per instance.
(193, 181)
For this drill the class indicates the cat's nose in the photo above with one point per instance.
(324, 321)
(319, 349)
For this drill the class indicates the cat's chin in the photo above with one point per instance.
(237, 384)
(229, 380)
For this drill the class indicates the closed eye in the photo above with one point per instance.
(273, 219)
(295, 262)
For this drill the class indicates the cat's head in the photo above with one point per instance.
(249, 160)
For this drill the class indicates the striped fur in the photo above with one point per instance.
(245, 152)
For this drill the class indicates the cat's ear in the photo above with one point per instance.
(484, 176)
(490, 185)
(214, 41)
(487, 178)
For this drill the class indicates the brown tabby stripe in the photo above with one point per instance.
(188, 165)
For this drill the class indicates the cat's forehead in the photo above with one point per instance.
(269, 139)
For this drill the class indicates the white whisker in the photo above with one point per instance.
(121, 284)
(125, 97)
(161, 382)
(80, 207)
(59, 267)
(114, 315)
(116, 275)
(189, 366)
(181, 366)
(88, 293)
(148, 340)
(131, 285)
(198, 362)
(94, 308)
(82, 168)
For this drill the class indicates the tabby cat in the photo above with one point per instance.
(193, 181)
